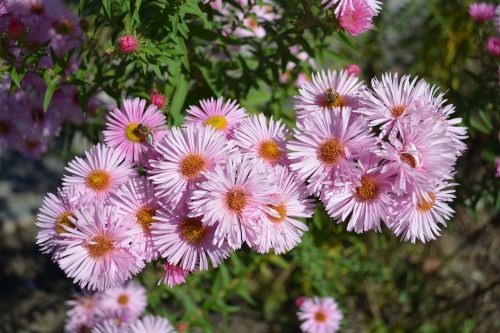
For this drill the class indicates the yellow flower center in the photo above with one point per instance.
(145, 217)
(398, 110)
(269, 150)
(330, 151)
(368, 188)
(98, 180)
(408, 159)
(236, 200)
(123, 299)
(217, 122)
(281, 210)
(100, 246)
(134, 133)
(192, 165)
(424, 205)
(63, 220)
(193, 230)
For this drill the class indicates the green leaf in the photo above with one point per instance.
(181, 91)
(106, 5)
(51, 84)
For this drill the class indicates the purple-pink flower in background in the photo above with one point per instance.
(320, 315)
(493, 46)
(127, 302)
(482, 11)
(152, 324)
(173, 275)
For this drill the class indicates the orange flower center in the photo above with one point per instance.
(408, 159)
(192, 165)
(398, 110)
(236, 200)
(193, 230)
(98, 180)
(269, 150)
(123, 299)
(100, 246)
(281, 210)
(217, 122)
(368, 188)
(145, 217)
(320, 316)
(330, 151)
(424, 205)
(63, 220)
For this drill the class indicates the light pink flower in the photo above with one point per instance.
(233, 197)
(263, 139)
(328, 90)
(481, 12)
(173, 275)
(223, 116)
(109, 326)
(83, 313)
(187, 154)
(281, 230)
(134, 128)
(326, 146)
(101, 172)
(98, 253)
(320, 315)
(357, 18)
(493, 46)
(152, 324)
(128, 301)
(186, 242)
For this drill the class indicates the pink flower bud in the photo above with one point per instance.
(181, 327)
(300, 300)
(481, 12)
(157, 99)
(353, 69)
(493, 46)
(128, 43)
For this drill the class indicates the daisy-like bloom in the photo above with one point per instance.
(481, 11)
(132, 129)
(357, 18)
(493, 46)
(365, 200)
(420, 218)
(343, 5)
(173, 275)
(109, 326)
(320, 315)
(98, 254)
(54, 217)
(281, 230)
(127, 301)
(223, 116)
(417, 154)
(326, 145)
(263, 139)
(328, 90)
(391, 99)
(187, 154)
(136, 201)
(233, 197)
(83, 313)
(185, 241)
(100, 173)
(152, 324)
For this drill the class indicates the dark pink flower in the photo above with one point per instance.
(128, 43)
(157, 99)
(481, 12)
(493, 46)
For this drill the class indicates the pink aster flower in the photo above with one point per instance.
(128, 301)
(493, 46)
(83, 313)
(328, 90)
(320, 315)
(109, 326)
(326, 146)
(391, 99)
(481, 12)
(53, 218)
(281, 230)
(263, 139)
(98, 253)
(132, 130)
(343, 5)
(251, 28)
(357, 18)
(136, 201)
(365, 200)
(420, 218)
(187, 154)
(101, 172)
(152, 324)
(233, 197)
(184, 241)
(223, 116)
(173, 275)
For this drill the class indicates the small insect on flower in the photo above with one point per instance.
(145, 132)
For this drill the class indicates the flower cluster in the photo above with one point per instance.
(319, 314)
(483, 12)
(355, 16)
(115, 310)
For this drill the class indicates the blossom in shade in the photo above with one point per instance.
(497, 164)
(353, 69)
(53, 218)
(481, 12)
(187, 154)
(101, 172)
(157, 99)
(233, 197)
(365, 200)
(173, 275)
(223, 116)
(356, 18)
(132, 129)
(128, 43)
(263, 139)
(320, 315)
(328, 90)
(421, 217)
(135, 200)
(281, 230)
(98, 254)
(152, 324)
(83, 313)
(493, 46)
(185, 241)
(109, 326)
(326, 145)
(391, 99)
(128, 301)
